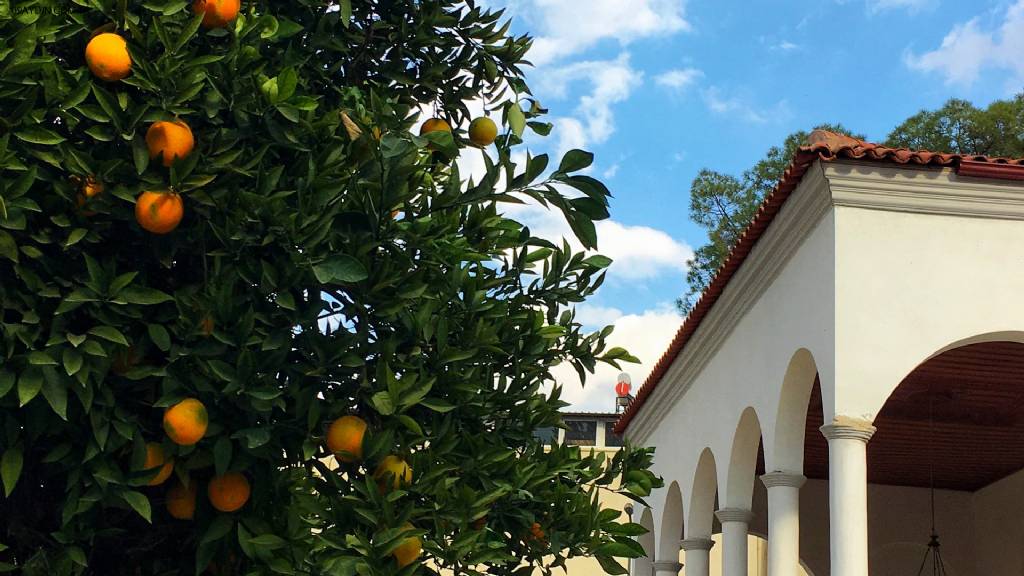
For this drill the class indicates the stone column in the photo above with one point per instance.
(698, 556)
(667, 568)
(848, 494)
(735, 522)
(783, 522)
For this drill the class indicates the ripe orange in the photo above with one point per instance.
(181, 501)
(396, 468)
(409, 550)
(229, 492)
(206, 325)
(434, 125)
(186, 422)
(155, 457)
(345, 438)
(536, 532)
(87, 189)
(482, 131)
(169, 140)
(159, 212)
(217, 13)
(107, 57)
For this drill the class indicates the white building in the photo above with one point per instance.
(865, 336)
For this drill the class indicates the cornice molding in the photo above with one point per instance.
(801, 213)
(733, 515)
(780, 478)
(848, 428)
(704, 544)
(922, 191)
(672, 566)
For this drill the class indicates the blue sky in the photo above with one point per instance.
(659, 89)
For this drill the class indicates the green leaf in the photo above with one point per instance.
(222, 455)
(37, 358)
(345, 12)
(383, 403)
(219, 528)
(76, 236)
(159, 335)
(437, 405)
(340, 268)
(139, 503)
(77, 556)
(268, 541)
(8, 248)
(109, 333)
(145, 296)
(140, 154)
(10, 468)
(29, 384)
(39, 135)
(575, 160)
(56, 393)
(7, 381)
(72, 361)
(516, 119)
(254, 437)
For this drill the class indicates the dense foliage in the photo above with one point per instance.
(329, 262)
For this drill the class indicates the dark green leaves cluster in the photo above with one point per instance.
(329, 262)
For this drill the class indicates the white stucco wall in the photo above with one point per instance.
(868, 270)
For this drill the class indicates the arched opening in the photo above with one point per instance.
(956, 422)
(701, 515)
(799, 384)
(743, 462)
(645, 565)
(671, 530)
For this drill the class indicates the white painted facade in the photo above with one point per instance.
(868, 270)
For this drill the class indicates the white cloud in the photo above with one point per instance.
(876, 6)
(968, 49)
(738, 108)
(646, 336)
(568, 27)
(638, 252)
(611, 82)
(785, 46)
(678, 79)
(610, 171)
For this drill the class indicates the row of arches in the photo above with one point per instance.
(725, 476)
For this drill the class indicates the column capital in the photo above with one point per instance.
(696, 544)
(672, 566)
(848, 427)
(733, 515)
(782, 478)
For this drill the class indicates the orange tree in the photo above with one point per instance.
(221, 232)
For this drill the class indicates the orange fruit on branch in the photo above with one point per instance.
(159, 212)
(482, 131)
(217, 13)
(434, 125)
(186, 422)
(181, 501)
(345, 438)
(169, 140)
(107, 57)
(409, 550)
(397, 469)
(155, 458)
(229, 492)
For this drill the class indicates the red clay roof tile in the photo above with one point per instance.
(826, 146)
